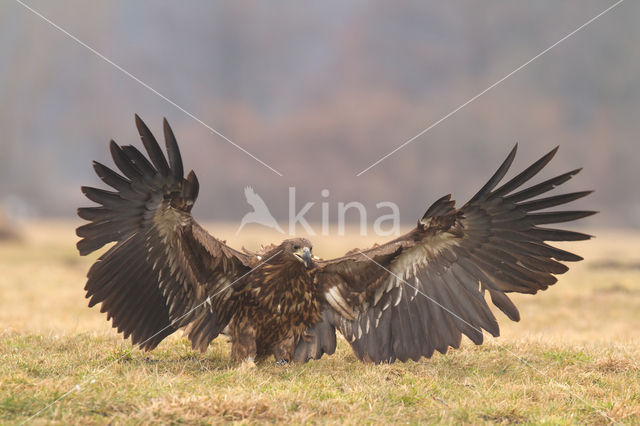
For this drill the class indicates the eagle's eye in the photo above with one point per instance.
(296, 247)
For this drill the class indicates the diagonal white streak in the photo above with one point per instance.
(142, 83)
(79, 386)
(490, 87)
(479, 330)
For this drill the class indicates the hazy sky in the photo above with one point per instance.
(319, 91)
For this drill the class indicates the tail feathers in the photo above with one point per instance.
(319, 340)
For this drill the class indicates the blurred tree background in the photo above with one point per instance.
(319, 91)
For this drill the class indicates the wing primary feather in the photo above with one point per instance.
(93, 213)
(560, 254)
(139, 160)
(505, 304)
(152, 147)
(536, 249)
(558, 217)
(545, 234)
(111, 178)
(542, 187)
(102, 196)
(524, 176)
(123, 163)
(544, 203)
(497, 176)
(175, 159)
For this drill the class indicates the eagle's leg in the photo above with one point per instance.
(283, 351)
(243, 340)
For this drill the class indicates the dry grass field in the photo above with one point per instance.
(573, 358)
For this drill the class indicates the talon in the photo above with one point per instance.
(247, 364)
(282, 362)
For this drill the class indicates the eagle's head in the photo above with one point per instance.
(299, 249)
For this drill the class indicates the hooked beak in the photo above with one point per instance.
(304, 255)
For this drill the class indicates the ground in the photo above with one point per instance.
(573, 358)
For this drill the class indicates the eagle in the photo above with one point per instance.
(401, 300)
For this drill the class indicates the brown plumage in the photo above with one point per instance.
(401, 300)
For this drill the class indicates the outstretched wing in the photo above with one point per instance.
(163, 264)
(421, 292)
